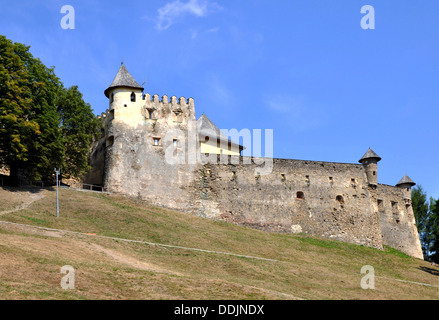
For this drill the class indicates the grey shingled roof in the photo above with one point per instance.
(207, 128)
(406, 180)
(370, 154)
(123, 79)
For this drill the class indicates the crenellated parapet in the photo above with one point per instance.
(173, 106)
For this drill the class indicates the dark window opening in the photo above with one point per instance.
(150, 113)
(156, 141)
(340, 199)
(300, 195)
(112, 98)
(380, 205)
(133, 97)
(374, 173)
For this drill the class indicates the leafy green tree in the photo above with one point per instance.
(79, 128)
(421, 209)
(30, 138)
(434, 229)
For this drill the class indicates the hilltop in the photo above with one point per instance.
(231, 261)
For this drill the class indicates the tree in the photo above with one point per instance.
(30, 138)
(79, 128)
(421, 209)
(434, 229)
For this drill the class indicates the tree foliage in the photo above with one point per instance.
(35, 134)
(427, 221)
(421, 209)
(30, 140)
(79, 128)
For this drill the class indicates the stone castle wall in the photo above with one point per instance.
(319, 198)
(333, 200)
(397, 220)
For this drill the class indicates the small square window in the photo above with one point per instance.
(156, 141)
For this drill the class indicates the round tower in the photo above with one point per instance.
(370, 162)
(406, 185)
(125, 98)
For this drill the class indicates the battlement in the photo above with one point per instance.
(174, 102)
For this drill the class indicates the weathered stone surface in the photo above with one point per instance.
(340, 201)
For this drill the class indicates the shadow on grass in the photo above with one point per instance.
(30, 189)
(432, 271)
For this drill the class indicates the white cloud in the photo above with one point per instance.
(172, 11)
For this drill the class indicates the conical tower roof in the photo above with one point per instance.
(370, 154)
(123, 79)
(406, 180)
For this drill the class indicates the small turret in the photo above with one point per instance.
(123, 79)
(125, 99)
(370, 161)
(406, 184)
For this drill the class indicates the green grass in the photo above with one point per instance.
(307, 267)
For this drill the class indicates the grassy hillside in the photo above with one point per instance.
(302, 267)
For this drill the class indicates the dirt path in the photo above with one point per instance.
(30, 198)
(131, 261)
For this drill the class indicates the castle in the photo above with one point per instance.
(156, 150)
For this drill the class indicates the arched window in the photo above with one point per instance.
(133, 97)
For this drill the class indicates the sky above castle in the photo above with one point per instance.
(328, 88)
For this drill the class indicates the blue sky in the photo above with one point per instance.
(306, 69)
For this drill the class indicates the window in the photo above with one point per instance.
(133, 97)
(111, 114)
(156, 141)
(150, 112)
(112, 98)
(300, 195)
(340, 199)
(380, 205)
(282, 177)
(175, 142)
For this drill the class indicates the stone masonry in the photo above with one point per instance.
(341, 201)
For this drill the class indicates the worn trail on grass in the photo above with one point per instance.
(30, 198)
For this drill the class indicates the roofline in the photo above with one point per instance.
(107, 91)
